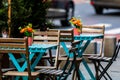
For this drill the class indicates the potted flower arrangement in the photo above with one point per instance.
(27, 31)
(77, 23)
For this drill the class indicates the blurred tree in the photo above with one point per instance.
(22, 13)
(3, 15)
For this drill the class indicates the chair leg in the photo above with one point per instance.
(103, 75)
(105, 71)
(76, 71)
(74, 75)
(1, 55)
(101, 70)
(96, 68)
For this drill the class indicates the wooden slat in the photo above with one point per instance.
(92, 31)
(45, 33)
(16, 73)
(13, 51)
(93, 26)
(51, 71)
(7, 69)
(46, 38)
(12, 40)
(71, 59)
(45, 67)
(44, 42)
(12, 45)
(65, 35)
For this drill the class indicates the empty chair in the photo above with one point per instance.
(62, 74)
(11, 46)
(63, 69)
(66, 40)
(92, 30)
(47, 37)
(108, 60)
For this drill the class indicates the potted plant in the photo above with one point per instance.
(27, 30)
(77, 23)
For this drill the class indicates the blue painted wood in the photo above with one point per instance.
(88, 69)
(81, 75)
(82, 49)
(14, 61)
(87, 36)
(66, 49)
(37, 60)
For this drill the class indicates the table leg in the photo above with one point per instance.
(80, 74)
(96, 69)
(88, 69)
(37, 60)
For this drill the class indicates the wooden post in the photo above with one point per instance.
(9, 17)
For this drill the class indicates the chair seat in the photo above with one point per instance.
(88, 55)
(16, 73)
(50, 71)
(97, 58)
(7, 69)
(48, 57)
(45, 67)
(71, 59)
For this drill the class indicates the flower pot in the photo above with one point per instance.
(30, 40)
(76, 31)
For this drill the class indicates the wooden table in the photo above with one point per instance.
(39, 49)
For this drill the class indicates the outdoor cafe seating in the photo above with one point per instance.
(40, 45)
(46, 42)
(85, 40)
